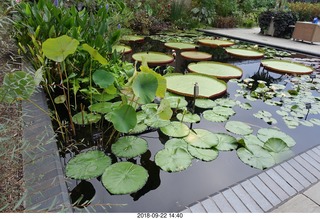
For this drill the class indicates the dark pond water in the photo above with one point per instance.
(171, 192)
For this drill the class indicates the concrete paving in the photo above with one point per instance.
(291, 187)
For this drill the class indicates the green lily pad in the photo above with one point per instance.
(173, 159)
(153, 58)
(196, 55)
(177, 102)
(212, 116)
(226, 142)
(175, 129)
(286, 67)
(203, 154)
(129, 147)
(104, 107)
(124, 178)
(188, 117)
(275, 145)
(205, 103)
(132, 38)
(138, 129)
(226, 102)
(216, 69)
(123, 118)
(238, 127)
(201, 138)
(181, 46)
(223, 111)
(208, 87)
(266, 133)
(174, 143)
(122, 49)
(256, 157)
(215, 43)
(102, 78)
(244, 53)
(87, 165)
(84, 118)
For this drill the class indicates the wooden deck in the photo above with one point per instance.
(267, 190)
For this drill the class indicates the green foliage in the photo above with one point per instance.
(205, 12)
(305, 11)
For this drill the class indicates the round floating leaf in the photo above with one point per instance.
(84, 118)
(203, 154)
(132, 38)
(226, 102)
(102, 78)
(104, 107)
(177, 102)
(211, 116)
(245, 106)
(129, 147)
(215, 43)
(266, 133)
(145, 86)
(153, 58)
(286, 67)
(257, 157)
(174, 143)
(124, 178)
(139, 128)
(238, 127)
(201, 138)
(156, 122)
(122, 49)
(252, 140)
(208, 87)
(60, 99)
(173, 159)
(244, 53)
(57, 49)
(188, 117)
(216, 69)
(175, 129)
(275, 145)
(205, 103)
(87, 165)
(226, 142)
(181, 46)
(123, 118)
(223, 111)
(196, 55)
(282, 155)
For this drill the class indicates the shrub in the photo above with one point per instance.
(305, 11)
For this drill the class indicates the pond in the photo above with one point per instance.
(172, 191)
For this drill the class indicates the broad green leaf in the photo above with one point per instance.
(57, 49)
(177, 102)
(205, 103)
(223, 111)
(188, 117)
(102, 78)
(156, 122)
(175, 129)
(257, 158)
(164, 110)
(244, 53)
(173, 159)
(138, 129)
(84, 118)
(95, 54)
(266, 133)
(129, 147)
(275, 145)
(238, 127)
(210, 115)
(123, 118)
(124, 178)
(203, 154)
(87, 165)
(202, 138)
(286, 67)
(252, 140)
(103, 107)
(144, 87)
(226, 102)
(226, 142)
(162, 82)
(176, 143)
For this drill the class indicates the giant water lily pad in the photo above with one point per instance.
(153, 58)
(202, 138)
(203, 154)
(244, 53)
(181, 46)
(208, 87)
(173, 159)
(266, 133)
(286, 67)
(216, 69)
(196, 55)
(122, 49)
(132, 38)
(124, 178)
(175, 129)
(129, 147)
(215, 43)
(87, 165)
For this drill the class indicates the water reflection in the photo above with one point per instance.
(82, 194)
